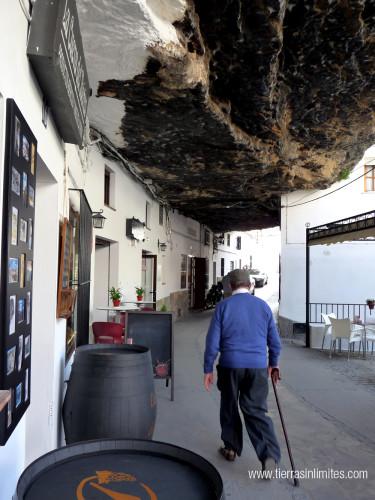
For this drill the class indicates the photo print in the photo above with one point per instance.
(22, 270)
(14, 229)
(25, 148)
(24, 187)
(20, 310)
(31, 196)
(29, 270)
(13, 270)
(12, 314)
(17, 135)
(23, 230)
(30, 233)
(20, 353)
(9, 409)
(26, 384)
(28, 308)
(27, 346)
(11, 359)
(33, 158)
(16, 181)
(18, 394)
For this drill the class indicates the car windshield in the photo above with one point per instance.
(254, 271)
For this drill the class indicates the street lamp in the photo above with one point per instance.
(98, 219)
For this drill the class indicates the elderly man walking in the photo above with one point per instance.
(241, 329)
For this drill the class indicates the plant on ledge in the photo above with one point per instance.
(139, 292)
(371, 304)
(115, 295)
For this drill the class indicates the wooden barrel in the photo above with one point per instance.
(110, 394)
(120, 469)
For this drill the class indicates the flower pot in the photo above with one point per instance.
(139, 298)
(116, 302)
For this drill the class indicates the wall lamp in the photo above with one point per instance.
(98, 219)
(162, 246)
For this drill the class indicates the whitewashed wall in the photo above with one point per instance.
(37, 433)
(339, 273)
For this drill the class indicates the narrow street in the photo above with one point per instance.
(328, 413)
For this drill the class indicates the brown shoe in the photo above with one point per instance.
(228, 454)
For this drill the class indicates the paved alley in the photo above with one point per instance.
(328, 407)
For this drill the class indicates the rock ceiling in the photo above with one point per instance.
(227, 104)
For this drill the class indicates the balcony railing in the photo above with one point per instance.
(352, 311)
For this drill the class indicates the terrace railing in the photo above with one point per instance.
(352, 311)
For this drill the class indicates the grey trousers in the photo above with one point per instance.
(248, 389)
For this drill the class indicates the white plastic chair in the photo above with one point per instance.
(343, 329)
(327, 325)
(370, 337)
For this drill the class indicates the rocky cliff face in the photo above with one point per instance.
(259, 97)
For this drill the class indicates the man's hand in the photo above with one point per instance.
(208, 380)
(274, 373)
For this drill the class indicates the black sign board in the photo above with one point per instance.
(56, 54)
(155, 331)
(17, 267)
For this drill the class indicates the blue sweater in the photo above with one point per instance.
(241, 329)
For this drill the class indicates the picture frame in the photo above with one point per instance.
(19, 195)
(66, 295)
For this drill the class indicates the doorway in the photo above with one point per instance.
(149, 270)
(199, 281)
(104, 273)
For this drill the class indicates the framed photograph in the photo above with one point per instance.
(30, 235)
(16, 181)
(18, 394)
(12, 314)
(22, 270)
(14, 229)
(29, 270)
(17, 136)
(20, 353)
(23, 230)
(25, 148)
(31, 196)
(20, 310)
(27, 346)
(13, 270)
(24, 187)
(33, 159)
(28, 307)
(9, 409)
(26, 384)
(11, 359)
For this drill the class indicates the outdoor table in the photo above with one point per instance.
(125, 306)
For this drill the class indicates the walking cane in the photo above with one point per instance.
(296, 481)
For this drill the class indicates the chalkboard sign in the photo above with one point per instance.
(155, 331)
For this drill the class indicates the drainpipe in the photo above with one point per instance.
(307, 327)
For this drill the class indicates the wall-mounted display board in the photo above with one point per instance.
(17, 266)
(154, 330)
(66, 295)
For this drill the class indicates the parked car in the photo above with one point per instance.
(260, 277)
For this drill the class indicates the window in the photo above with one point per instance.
(228, 240)
(107, 187)
(369, 177)
(222, 267)
(161, 214)
(231, 265)
(251, 261)
(240, 264)
(183, 270)
(206, 237)
(238, 243)
(148, 215)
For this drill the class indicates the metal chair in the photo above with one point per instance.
(327, 326)
(108, 333)
(343, 329)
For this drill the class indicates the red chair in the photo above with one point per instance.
(108, 333)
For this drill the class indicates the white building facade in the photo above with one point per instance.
(339, 273)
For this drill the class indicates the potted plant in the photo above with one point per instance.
(115, 295)
(139, 291)
(371, 304)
